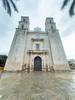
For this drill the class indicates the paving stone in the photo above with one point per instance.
(37, 86)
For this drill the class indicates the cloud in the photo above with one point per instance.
(68, 43)
(37, 10)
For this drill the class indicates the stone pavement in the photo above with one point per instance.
(37, 86)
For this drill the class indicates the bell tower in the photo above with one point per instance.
(50, 25)
(24, 23)
(17, 51)
(57, 54)
(49, 29)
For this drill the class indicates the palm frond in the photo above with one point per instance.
(71, 10)
(65, 3)
(7, 6)
(4, 4)
(14, 6)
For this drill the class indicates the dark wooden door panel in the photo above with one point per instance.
(37, 64)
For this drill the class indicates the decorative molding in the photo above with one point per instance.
(36, 39)
(37, 52)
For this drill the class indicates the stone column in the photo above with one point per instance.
(28, 68)
(46, 63)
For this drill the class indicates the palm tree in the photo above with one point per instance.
(71, 10)
(7, 6)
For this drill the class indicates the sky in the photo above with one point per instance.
(38, 10)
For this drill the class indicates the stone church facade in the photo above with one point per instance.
(36, 50)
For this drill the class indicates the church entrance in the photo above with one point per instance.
(37, 64)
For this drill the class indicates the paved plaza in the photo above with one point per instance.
(37, 86)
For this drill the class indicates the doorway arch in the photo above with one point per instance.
(37, 64)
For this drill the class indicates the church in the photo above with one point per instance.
(36, 50)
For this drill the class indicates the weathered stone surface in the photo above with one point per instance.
(24, 48)
(37, 86)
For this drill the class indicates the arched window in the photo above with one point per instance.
(22, 26)
(37, 46)
(50, 21)
(23, 20)
(52, 27)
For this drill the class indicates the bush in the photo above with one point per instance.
(72, 63)
(3, 59)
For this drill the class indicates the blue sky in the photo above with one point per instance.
(38, 10)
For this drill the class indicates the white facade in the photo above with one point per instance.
(36, 50)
